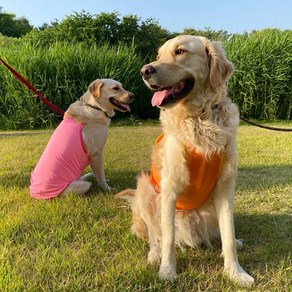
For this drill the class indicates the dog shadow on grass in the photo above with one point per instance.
(117, 180)
(263, 177)
(265, 253)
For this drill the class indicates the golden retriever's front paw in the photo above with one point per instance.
(243, 279)
(240, 276)
(154, 256)
(167, 273)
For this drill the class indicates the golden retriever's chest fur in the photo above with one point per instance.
(208, 136)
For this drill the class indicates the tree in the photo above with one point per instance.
(109, 28)
(220, 35)
(12, 26)
(151, 36)
(129, 29)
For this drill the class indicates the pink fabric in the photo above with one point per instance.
(62, 162)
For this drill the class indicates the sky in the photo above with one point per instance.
(234, 16)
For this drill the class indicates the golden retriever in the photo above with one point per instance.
(188, 197)
(79, 141)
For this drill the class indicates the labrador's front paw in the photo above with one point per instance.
(105, 187)
(103, 184)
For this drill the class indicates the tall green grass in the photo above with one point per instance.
(262, 84)
(61, 73)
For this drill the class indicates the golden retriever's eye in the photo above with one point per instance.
(116, 88)
(180, 51)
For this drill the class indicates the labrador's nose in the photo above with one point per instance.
(147, 71)
(131, 96)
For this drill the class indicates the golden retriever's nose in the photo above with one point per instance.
(147, 71)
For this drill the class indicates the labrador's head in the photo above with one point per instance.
(185, 66)
(108, 95)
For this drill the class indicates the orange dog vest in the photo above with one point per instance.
(203, 176)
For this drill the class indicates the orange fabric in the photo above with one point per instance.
(203, 176)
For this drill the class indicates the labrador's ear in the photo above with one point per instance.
(95, 87)
(220, 69)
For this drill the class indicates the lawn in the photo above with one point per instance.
(84, 243)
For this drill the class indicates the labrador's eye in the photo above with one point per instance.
(180, 51)
(116, 88)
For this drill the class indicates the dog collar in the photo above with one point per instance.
(97, 108)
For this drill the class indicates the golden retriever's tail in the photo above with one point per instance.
(127, 195)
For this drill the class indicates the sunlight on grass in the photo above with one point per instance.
(84, 243)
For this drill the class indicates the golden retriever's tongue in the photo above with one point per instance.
(159, 96)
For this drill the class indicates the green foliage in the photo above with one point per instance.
(220, 35)
(12, 26)
(62, 73)
(103, 28)
(262, 84)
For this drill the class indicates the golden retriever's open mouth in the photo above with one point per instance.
(119, 105)
(172, 94)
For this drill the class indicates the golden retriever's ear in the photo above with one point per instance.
(220, 68)
(95, 87)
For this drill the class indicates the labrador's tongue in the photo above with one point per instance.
(126, 107)
(159, 96)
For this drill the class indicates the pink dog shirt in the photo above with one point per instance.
(62, 162)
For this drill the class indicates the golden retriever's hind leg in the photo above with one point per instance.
(154, 254)
(139, 227)
(146, 202)
(239, 244)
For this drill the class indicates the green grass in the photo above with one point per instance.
(83, 243)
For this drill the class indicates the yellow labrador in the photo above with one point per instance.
(188, 197)
(79, 141)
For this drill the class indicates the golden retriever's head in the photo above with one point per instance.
(108, 95)
(186, 65)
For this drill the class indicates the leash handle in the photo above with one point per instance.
(50, 105)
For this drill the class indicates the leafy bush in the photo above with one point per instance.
(62, 73)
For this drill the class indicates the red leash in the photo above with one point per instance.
(31, 88)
